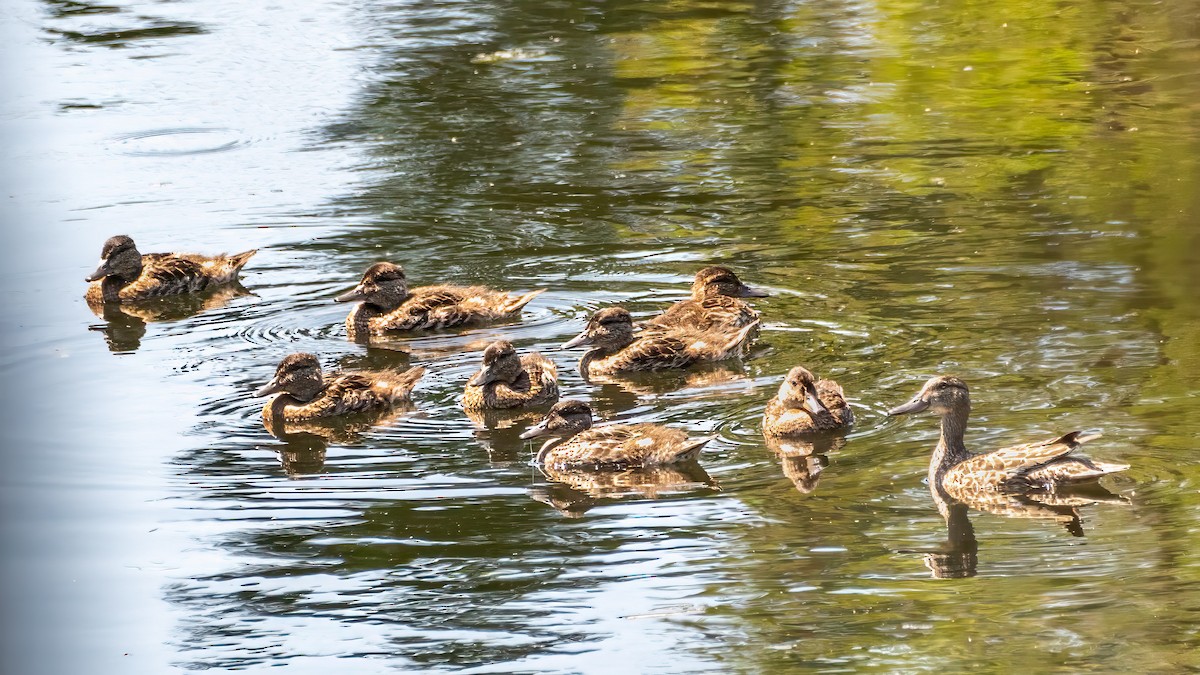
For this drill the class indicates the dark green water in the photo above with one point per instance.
(1006, 191)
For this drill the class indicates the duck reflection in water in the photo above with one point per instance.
(125, 323)
(802, 459)
(305, 442)
(1043, 480)
(572, 492)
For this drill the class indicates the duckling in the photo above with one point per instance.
(615, 349)
(1044, 465)
(715, 303)
(610, 447)
(805, 405)
(125, 275)
(509, 381)
(308, 394)
(388, 304)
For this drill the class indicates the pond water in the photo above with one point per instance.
(1006, 191)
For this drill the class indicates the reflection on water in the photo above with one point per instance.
(804, 459)
(1003, 191)
(125, 323)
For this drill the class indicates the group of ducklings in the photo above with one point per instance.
(714, 324)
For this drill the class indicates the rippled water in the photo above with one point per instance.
(1006, 191)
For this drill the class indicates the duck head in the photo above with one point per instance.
(608, 330)
(799, 390)
(298, 375)
(119, 258)
(500, 364)
(383, 286)
(565, 419)
(717, 280)
(941, 395)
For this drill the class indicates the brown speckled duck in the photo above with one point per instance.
(125, 275)
(305, 393)
(715, 303)
(615, 348)
(1040, 466)
(510, 381)
(387, 304)
(805, 405)
(612, 446)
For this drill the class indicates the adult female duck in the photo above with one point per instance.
(305, 393)
(125, 275)
(1040, 466)
(387, 304)
(611, 447)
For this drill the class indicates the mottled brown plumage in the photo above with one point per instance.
(387, 304)
(715, 304)
(125, 275)
(615, 348)
(805, 405)
(510, 381)
(307, 393)
(1044, 465)
(609, 447)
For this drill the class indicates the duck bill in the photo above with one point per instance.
(99, 274)
(484, 376)
(751, 292)
(577, 341)
(813, 404)
(914, 406)
(537, 430)
(269, 388)
(352, 295)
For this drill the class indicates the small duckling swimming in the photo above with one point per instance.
(805, 405)
(610, 447)
(715, 303)
(510, 381)
(615, 349)
(1044, 465)
(387, 304)
(125, 275)
(306, 393)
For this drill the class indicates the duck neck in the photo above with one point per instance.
(950, 449)
(549, 445)
(110, 288)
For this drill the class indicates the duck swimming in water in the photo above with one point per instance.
(1040, 466)
(610, 447)
(387, 304)
(715, 303)
(305, 393)
(805, 405)
(615, 348)
(510, 381)
(125, 275)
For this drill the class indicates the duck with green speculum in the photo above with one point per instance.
(387, 304)
(126, 275)
(1045, 466)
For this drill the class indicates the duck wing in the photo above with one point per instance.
(167, 274)
(654, 351)
(1005, 465)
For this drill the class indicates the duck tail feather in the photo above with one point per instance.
(239, 260)
(520, 302)
(692, 450)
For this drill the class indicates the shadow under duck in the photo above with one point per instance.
(577, 444)
(305, 393)
(715, 303)
(125, 275)
(616, 349)
(1040, 466)
(510, 381)
(805, 405)
(387, 304)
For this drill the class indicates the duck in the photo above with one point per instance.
(577, 444)
(615, 349)
(1045, 466)
(125, 275)
(806, 405)
(387, 304)
(715, 304)
(509, 381)
(306, 393)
